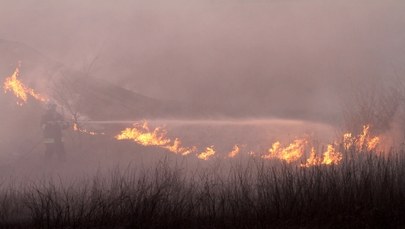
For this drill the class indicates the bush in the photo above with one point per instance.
(365, 191)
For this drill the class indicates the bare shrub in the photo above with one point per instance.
(366, 191)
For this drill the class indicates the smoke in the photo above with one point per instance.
(311, 60)
(257, 58)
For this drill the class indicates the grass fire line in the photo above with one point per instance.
(291, 153)
(20, 90)
(143, 135)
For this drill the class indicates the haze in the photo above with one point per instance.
(202, 113)
(261, 58)
(238, 72)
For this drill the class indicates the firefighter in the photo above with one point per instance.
(52, 124)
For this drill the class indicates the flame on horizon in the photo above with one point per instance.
(178, 149)
(296, 150)
(290, 153)
(207, 154)
(330, 157)
(234, 152)
(21, 91)
(142, 135)
(364, 141)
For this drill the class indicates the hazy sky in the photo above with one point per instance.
(258, 55)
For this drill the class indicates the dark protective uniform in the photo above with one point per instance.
(52, 124)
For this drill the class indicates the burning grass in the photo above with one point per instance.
(289, 185)
(141, 134)
(365, 191)
(21, 91)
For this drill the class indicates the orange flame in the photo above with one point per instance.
(348, 140)
(330, 157)
(313, 159)
(291, 153)
(141, 134)
(13, 84)
(235, 151)
(362, 142)
(207, 154)
(178, 149)
(373, 143)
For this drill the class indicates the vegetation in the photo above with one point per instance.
(365, 191)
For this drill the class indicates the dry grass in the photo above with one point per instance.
(366, 191)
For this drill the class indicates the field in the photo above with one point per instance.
(366, 190)
(202, 114)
